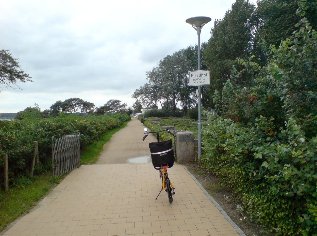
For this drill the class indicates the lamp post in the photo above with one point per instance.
(197, 23)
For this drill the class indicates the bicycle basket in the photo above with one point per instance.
(162, 153)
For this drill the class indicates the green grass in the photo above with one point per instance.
(91, 153)
(21, 198)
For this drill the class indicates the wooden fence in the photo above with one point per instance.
(65, 154)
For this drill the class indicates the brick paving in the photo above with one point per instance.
(119, 199)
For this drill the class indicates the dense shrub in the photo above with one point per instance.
(17, 137)
(193, 113)
(263, 144)
(163, 113)
(274, 176)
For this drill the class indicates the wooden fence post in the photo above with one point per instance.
(36, 152)
(53, 154)
(6, 172)
(35, 158)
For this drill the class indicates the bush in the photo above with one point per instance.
(193, 113)
(264, 144)
(273, 175)
(162, 113)
(17, 137)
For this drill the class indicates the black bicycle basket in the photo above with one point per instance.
(162, 153)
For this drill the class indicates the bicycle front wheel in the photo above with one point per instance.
(169, 190)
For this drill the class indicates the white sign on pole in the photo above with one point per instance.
(199, 77)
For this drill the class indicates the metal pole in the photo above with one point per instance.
(197, 23)
(198, 34)
(199, 98)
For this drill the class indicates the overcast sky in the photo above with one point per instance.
(95, 50)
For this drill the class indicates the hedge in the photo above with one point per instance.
(17, 137)
(275, 177)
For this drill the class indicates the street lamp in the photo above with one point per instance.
(197, 23)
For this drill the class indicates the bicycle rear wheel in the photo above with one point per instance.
(169, 190)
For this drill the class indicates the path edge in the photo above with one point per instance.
(220, 209)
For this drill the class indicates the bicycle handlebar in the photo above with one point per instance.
(146, 133)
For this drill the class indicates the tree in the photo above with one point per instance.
(231, 39)
(308, 9)
(137, 107)
(296, 67)
(30, 113)
(72, 105)
(56, 108)
(77, 105)
(168, 82)
(10, 71)
(112, 106)
(87, 107)
(147, 95)
(277, 21)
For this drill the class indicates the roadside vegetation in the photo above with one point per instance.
(231, 171)
(260, 128)
(17, 138)
(23, 195)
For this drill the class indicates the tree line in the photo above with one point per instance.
(75, 106)
(240, 45)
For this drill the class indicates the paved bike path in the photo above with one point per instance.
(126, 145)
(119, 199)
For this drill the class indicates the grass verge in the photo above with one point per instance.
(21, 198)
(91, 153)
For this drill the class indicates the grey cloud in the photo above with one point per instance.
(75, 48)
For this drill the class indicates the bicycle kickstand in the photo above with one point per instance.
(159, 194)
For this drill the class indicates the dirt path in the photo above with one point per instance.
(126, 146)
